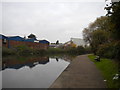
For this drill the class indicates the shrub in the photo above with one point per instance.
(39, 52)
(110, 50)
(117, 50)
(88, 49)
(7, 51)
(23, 50)
(55, 51)
(79, 50)
(106, 50)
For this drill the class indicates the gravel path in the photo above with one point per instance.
(81, 73)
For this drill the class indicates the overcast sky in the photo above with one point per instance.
(49, 20)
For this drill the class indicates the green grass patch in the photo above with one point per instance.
(108, 69)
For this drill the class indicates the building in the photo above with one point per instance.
(74, 42)
(13, 41)
(54, 45)
(3, 40)
(78, 42)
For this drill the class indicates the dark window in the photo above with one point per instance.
(4, 41)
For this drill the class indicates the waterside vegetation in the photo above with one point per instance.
(23, 50)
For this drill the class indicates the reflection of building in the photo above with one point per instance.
(14, 41)
(30, 62)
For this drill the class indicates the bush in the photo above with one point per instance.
(106, 50)
(109, 50)
(55, 51)
(117, 50)
(79, 50)
(23, 50)
(88, 49)
(39, 52)
(7, 51)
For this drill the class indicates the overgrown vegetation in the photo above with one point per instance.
(23, 50)
(108, 69)
(103, 34)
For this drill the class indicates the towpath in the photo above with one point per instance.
(81, 73)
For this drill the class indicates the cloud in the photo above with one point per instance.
(51, 21)
(54, 0)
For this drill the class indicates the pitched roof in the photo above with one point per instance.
(2, 36)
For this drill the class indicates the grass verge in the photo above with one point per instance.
(108, 69)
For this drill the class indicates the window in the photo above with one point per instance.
(4, 41)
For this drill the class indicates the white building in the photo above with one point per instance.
(78, 41)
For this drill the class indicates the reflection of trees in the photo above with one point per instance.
(57, 59)
(31, 62)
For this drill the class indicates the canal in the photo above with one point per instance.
(32, 72)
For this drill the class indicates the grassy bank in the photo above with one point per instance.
(108, 69)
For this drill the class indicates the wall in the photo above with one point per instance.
(34, 45)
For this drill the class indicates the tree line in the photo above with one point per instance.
(103, 35)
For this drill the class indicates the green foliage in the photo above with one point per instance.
(23, 50)
(103, 34)
(6, 51)
(106, 50)
(40, 52)
(79, 50)
(101, 23)
(98, 37)
(117, 50)
(55, 51)
(108, 69)
(88, 49)
(71, 50)
(110, 50)
(96, 33)
(114, 16)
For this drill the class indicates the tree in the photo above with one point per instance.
(95, 34)
(99, 37)
(114, 16)
(101, 23)
(32, 36)
(57, 42)
(87, 35)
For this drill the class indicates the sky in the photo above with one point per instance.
(50, 20)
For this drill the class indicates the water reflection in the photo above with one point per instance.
(57, 59)
(31, 72)
(30, 62)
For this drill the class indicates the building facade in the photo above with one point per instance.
(12, 42)
(74, 42)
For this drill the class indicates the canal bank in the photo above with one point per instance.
(81, 73)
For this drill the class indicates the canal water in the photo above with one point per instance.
(33, 72)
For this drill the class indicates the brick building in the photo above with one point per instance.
(11, 42)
